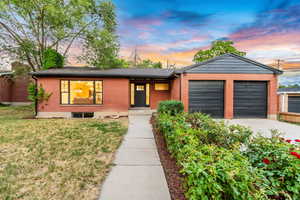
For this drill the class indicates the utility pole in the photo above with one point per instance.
(278, 63)
(135, 57)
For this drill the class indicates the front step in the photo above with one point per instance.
(135, 111)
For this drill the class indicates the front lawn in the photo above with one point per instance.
(55, 158)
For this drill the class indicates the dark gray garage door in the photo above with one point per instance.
(250, 99)
(207, 97)
(294, 104)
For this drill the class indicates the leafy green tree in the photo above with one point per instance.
(51, 58)
(149, 64)
(101, 46)
(218, 48)
(290, 86)
(28, 28)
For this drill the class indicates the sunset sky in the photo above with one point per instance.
(175, 29)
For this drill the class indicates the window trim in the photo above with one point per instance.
(69, 92)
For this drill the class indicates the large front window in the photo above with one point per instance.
(81, 92)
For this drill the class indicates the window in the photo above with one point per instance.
(140, 88)
(132, 94)
(82, 115)
(81, 92)
(161, 86)
(147, 94)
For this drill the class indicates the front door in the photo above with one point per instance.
(140, 95)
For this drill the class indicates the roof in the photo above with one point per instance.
(230, 64)
(95, 72)
(4, 73)
(289, 90)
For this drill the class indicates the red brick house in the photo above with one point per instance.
(13, 91)
(228, 86)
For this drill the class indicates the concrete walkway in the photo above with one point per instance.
(263, 126)
(137, 174)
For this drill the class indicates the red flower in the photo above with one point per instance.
(289, 141)
(295, 154)
(298, 140)
(266, 161)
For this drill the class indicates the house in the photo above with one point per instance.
(289, 99)
(13, 90)
(228, 86)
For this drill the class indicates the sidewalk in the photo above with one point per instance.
(137, 174)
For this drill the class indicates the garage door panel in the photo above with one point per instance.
(294, 104)
(250, 99)
(207, 97)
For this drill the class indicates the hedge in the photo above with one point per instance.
(171, 107)
(220, 161)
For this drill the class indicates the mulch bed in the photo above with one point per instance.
(171, 169)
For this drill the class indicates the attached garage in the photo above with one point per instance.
(230, 86)
(294, 104)
(207, 97)
(250, 99)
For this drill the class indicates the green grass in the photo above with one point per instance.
(55, 158)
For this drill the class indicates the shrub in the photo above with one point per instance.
(218, 133)
(51, 59)
(37, 94)
(211, 171)
(278, 164)
(171, 107)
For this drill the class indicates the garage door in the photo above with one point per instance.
(250, 99)
(207, 97)
(294, 104)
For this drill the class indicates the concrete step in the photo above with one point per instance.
(141, 112)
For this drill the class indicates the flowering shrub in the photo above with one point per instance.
(216, 167)
(218, 133)
(278, 162)
(211, 171)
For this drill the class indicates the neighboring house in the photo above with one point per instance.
(228, 86)
(289, 100)
(13, 91)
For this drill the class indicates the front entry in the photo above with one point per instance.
(140, 95)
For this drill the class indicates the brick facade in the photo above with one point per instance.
(14, 90)
(115, 96)
(116, 93)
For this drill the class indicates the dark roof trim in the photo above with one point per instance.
(288, 90)
(275, 71)
(112, 73)
(98, 76)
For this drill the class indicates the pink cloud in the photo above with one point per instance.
(266, 42)
(143, 23)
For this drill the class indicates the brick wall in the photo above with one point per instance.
(115, 96)
(19, 89)
(158, 96)
(5, 89)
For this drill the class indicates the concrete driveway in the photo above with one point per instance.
(264, 126)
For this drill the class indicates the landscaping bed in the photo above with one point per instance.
(220, 161)
(55, 158)
(171, 169)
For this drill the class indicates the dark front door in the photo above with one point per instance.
(207, 97)
(140, 95)
(250, 99)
